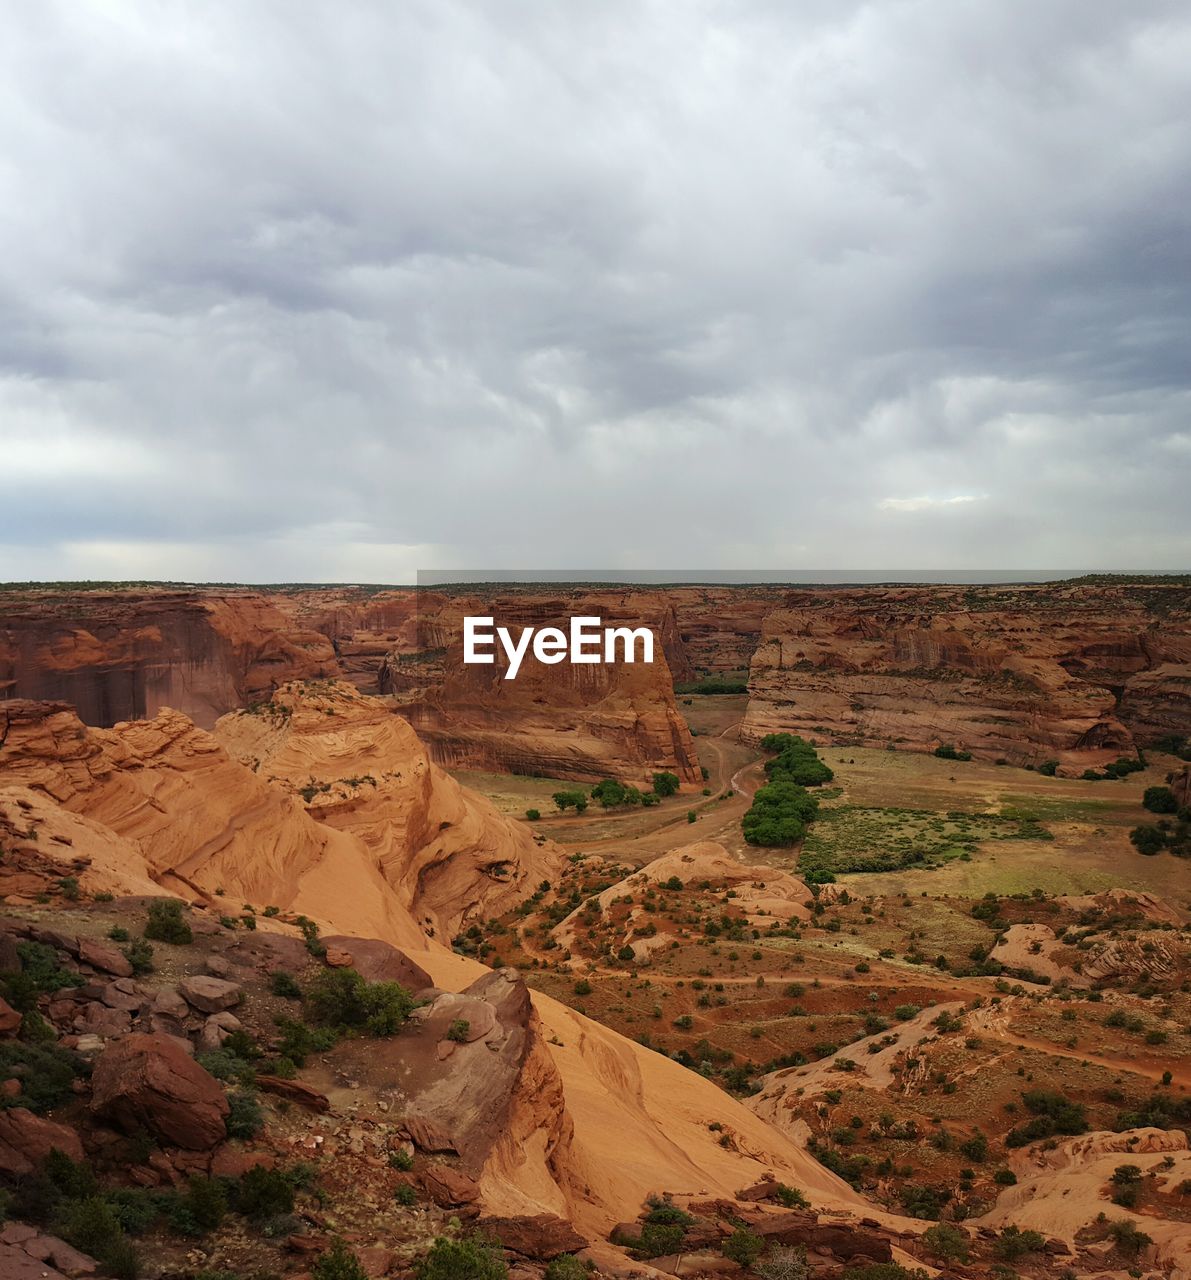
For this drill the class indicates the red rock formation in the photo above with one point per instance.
(123, 655)
(26, 1140)
(1074, 673)
(563, 720)
(447, 853)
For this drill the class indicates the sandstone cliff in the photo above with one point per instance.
(123, 655)
(449, 856)
(564, 720)
(1027, 674)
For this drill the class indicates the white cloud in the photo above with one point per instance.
(927, 503)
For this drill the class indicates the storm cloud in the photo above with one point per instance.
(341, 291)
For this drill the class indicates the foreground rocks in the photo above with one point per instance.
(150, 1082)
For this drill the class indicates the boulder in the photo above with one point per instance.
(123, 993)
(448, 1188)
(540, 1237)
(295, 1091)
(168, 1003)
(427, 1136)
(26, 1139)
(10, 1020)
(209, 995)
(148, 1081)
(105, 957)
(98, 1020)
(216, 1030)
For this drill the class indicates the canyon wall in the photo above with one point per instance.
(123, 655)
(1069, 672)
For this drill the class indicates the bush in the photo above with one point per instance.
(1128, 1238)
(665, 784)
(1053, 1113)
(166, 923)
(285, 985)
(342, 998)
(948, 752)
(207, 1201)
(264, 1193)
(1159, 800)
(1014, 1243)
(338, 1263)
(568, 1267)
(1148, 840)
(46, 1072)
(534, 815)
(946, 1242)
(459, 1030)
(583, 987)
(462, 1260)
(790, 1197)
(743, 1246)
(91, 1225)
(139, 954)
(691, 815)
(783, 1264)
(245, 1118)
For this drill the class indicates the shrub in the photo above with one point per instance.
(534, 815)
(583, 987)
(245, 1118)
(1148, 840)
(783, 1264)
(790, 1197)
(1128, 1238)
(665, 784)
(285, 985)
(91, 1225)
(691, 815)
(207, 1201)
(743, 1246)
(342, 998)
(1159, 800)
(459, 1030)
(139, 954)
(338, 1263)
(264, 1193)
(948, 752)
(568, 1267)
(946, 1242)
(46, 1072)
(166, 923)
(462, 1260)
(405, 1196)
(779, 814)
(1013, 1243)
(923, 1202)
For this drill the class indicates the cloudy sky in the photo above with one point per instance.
(329, 291)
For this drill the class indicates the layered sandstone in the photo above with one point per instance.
(201, 823)
(359, 768)
(562, 720)
(123, 655)
(1071, 673)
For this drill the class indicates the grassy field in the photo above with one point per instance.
(986, 828)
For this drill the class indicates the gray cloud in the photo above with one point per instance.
(329, 291)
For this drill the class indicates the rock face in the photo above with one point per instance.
(446, 852)
(123, 655)
(562, 720)
(149, 1081)
(1027, 674)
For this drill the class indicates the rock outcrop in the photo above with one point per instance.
(123, 655)
(1026, 674)
(446, 852)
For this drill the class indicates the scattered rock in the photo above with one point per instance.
(338, 959)
(105, 957)
(209, 995)
(303, 1094)
(169, 1003)
(216, 1030)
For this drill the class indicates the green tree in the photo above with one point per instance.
(462, 1260)
(665, 784)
